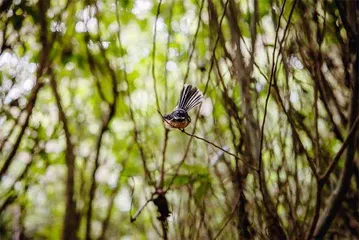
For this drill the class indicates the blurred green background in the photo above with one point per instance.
(84, 152)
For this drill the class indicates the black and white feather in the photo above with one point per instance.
(190, 98)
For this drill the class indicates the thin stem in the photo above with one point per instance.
(154, 55)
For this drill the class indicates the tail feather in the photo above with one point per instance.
(190, 98)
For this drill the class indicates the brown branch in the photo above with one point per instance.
(105, 125)
(92, 64)
(213, 57)
(275, 228)
(154, 54)
(211, 143)
(228, 219)
(163, 159)
(105, 223)
(170, 32)
(71, 219)
(340, 191)
(164, 226)
(270, 86)
(33, 152)
(318, 204)
(193, 45)
(12, 129)
(222, 149)
(345, 144)
(29, 107)
(43, 65)
(213, 23)
(104, 128)
(296, 134)
(184, 155)
(134, 217)
(132, 116)
(205, 90)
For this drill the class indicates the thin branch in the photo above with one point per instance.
(335, 161)
(134, 217)
(213, 57)
(163, 159)
(316, 116)
(132, 116)
(170, 31)
(184, 155)
(205, 90)
(12, 129)
(296, 135)
(154, 55)
(269, 89)
(228, 219)
(105, 125)
(92, 65)
(216, 146)
(70, 219)
(337, 196)
(29, 107)
(193, 45)
(33, 152)
(213, 144)
(263, 189)
(164, 226)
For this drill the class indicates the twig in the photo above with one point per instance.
(12, 129)
(316, 116)
(106, 221)
(45, 62)
(264, 192)
(269, 90)
(170, 31)
(332, 165)
(29, 107)
(104, 128)
(259, 170)
(164, 226)
(164, 159)
(215, 46)
(337, 196)
(184, 155)
(318, 204)
(154, 55)
(193, 46)
(70, 219)
(133, 218)
(205, 90)
(33, 152)
(211, 143)
(216, 146)
(296, 134)
(132, 116)
(228, 219)
(92, 65)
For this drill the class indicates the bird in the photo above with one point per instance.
(190, 98)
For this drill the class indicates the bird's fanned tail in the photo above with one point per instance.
(190, 98)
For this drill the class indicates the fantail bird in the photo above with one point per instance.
(190, 98)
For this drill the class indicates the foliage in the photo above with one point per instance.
(269, 154)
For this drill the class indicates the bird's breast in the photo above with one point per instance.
(176, 124)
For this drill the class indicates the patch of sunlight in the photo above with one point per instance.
(171, 66)
(207, 107)
(123, 200)
(141, 8)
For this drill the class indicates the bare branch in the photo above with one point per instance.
(154, 54)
